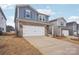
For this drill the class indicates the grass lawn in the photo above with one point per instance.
(76, 41)
(10, 44)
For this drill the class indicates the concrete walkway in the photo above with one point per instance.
(47, 45)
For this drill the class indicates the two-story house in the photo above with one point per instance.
(29, 22)
(2, 21)
(58, 27)
(73, 28)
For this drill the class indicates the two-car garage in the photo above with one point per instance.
(65, 32)
(33, 30)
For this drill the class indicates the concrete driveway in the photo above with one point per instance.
(52, 46)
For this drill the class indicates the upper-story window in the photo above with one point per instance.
(41, 17)
(27, 13)
(62, 24)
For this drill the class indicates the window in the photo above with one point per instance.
(41, 17)
(62, 24)
(27, 13)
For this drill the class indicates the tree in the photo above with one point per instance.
(9, 28)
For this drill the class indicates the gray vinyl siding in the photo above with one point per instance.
(61, 21)
(33, 14)
(73, 28)
(21, 12)
(2, 22)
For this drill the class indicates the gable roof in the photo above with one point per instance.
(69, 23)
(2, 13)
(57, 19)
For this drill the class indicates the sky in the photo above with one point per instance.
(69, 11)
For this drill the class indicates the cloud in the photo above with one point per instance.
(10, 21)
(6, 6)
(73, 18)
(47, 11)
(3, 6)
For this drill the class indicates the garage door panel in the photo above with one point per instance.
(33, 31)
(65, 32)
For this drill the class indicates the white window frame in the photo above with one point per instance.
(42, 17)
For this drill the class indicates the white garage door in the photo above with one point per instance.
(75, 33)
(65, 32)
(33, 30)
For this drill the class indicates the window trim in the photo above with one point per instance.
(42, 17)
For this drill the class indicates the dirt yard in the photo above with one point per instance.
(13, 45)
(75, 41)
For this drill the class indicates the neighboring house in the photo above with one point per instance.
(2, 21)
(29, 22)
(58, 27)
(10, 28)
(73, 28)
